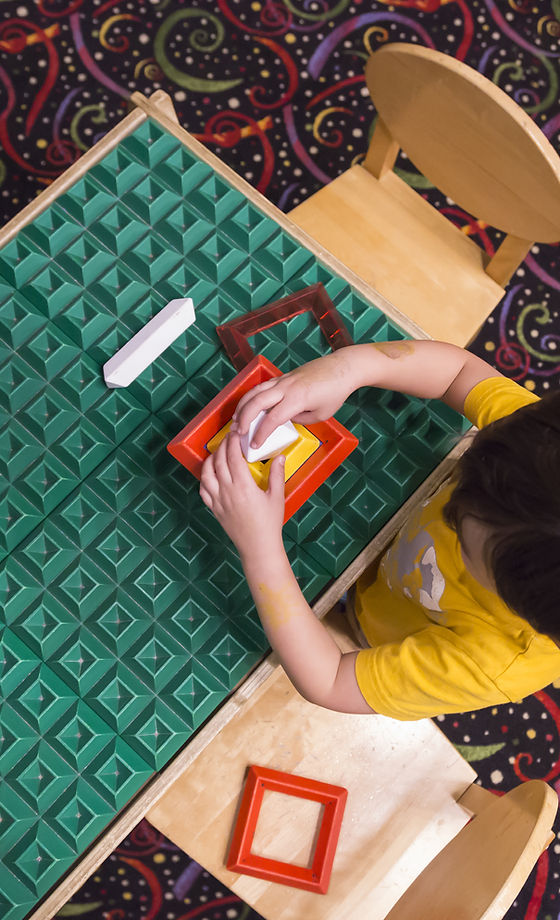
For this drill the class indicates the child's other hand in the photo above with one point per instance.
(310, 393)
(250, 517)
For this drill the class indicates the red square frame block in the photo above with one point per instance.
(240, 859)
(189, 446)
(313, 299)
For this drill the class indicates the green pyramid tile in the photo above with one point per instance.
(282, 257)
(182, 172)
(18, 664)
(20, 261)
(216, 258)
(86, 201)
(150, 200)
(39, 857)
(157, 733)
(230, 656)
(78, 815)
(214, 200)
(45, 626)
(181, 228)
(19, 385)
(18, 320)
(41, 698)
(81, 662)
(49, 351)
(192, 620)
(120, 624)
(117, 172)
(52, 230)
(40, 777)
(151, 259)
(248, 227)
(193, 693)
(50, 291)
(85, 259)
(150, 144)
(156, 658)
(16, 737)
(120, 228)
(83, 588)
(18, 590)
(116, 772)
(119, 698)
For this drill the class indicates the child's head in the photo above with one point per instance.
(505, 509)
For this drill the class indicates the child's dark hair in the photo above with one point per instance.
(509, 479)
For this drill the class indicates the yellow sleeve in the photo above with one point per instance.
(495, 398)
(429, 673)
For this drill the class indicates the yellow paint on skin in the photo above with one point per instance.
(394, 350)
(275, 611)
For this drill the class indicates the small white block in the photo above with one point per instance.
(149, 342)
(276, 442)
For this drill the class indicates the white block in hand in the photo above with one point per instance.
(276, 442)
(149, 342)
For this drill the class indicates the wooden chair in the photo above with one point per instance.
(481, 150)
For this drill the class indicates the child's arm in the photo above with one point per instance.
(316, 390)
(253, 520)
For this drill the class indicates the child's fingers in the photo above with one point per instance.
(259, 402)
(277, 415)
(237, 464)
(250, 395)
(208, 478)
(276, 478)
(221, 465)
(206, 497)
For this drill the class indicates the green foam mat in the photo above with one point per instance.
(126, 619)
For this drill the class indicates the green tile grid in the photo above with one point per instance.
(125, 618)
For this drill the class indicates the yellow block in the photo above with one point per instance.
(296, 454)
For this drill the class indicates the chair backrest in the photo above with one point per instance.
(469, 138)
(478, 875)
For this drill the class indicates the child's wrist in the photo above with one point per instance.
(354, 367)
(261, 552)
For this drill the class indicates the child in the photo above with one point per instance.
(463, 611)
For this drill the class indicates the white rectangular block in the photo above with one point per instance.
(276, 442)
(149, 342)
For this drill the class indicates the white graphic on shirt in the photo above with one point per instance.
(412, 564)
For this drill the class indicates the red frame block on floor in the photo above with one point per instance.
(313, 299)
(240, 859)
(189, 447)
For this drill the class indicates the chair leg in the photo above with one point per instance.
(382, 151)
(508, 256)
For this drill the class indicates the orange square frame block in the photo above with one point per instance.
(190, 445)
(240, 859)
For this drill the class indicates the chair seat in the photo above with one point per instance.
(405, 249)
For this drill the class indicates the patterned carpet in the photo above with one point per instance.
(276, 88)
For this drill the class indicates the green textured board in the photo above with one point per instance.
(125, 618)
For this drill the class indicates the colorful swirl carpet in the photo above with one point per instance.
(276, 88)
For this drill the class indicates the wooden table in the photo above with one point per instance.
(407, 778)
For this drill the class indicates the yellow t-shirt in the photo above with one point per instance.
(441, 642)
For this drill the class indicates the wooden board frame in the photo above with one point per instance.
(159, 107)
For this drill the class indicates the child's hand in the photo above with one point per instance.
(310, 393)
(250, 517)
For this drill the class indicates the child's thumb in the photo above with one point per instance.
(276, 477)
